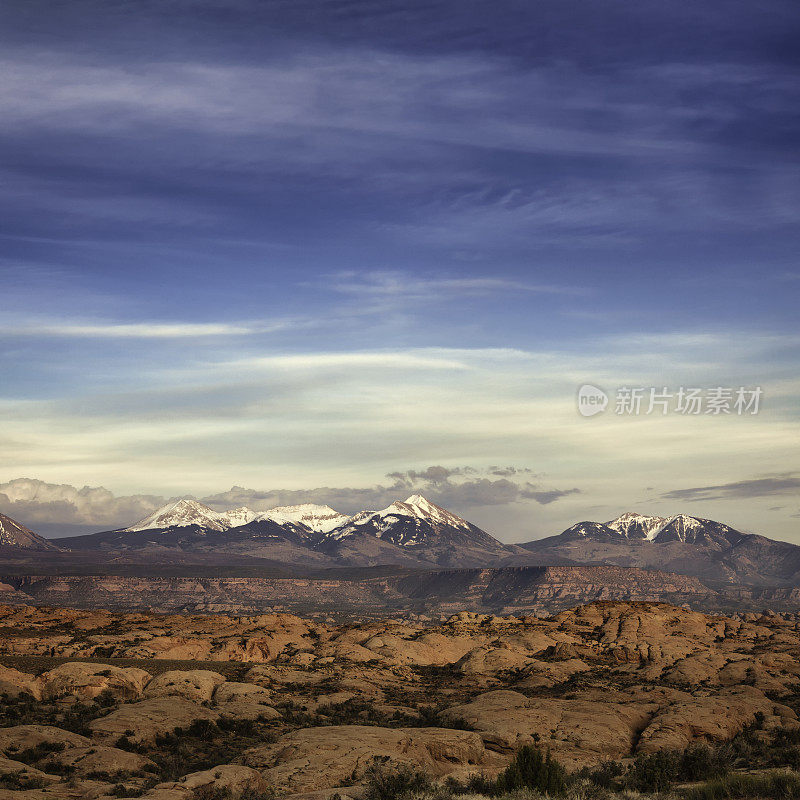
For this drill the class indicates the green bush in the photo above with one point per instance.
(607, 775)
(655, 772)
(532, 770)
(475, 784)
(389, 782)
(701, 762)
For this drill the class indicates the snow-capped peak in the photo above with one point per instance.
(182, 513)
(238, 516)
(420, 508)
(318, 518)
(637, 526)
(415, 510)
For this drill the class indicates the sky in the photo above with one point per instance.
(345, 251)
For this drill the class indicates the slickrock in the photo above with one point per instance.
(86, 681)
(196, 684)
(14, 683)
(716, 719)
(577, 731)
(227, 776)
(320, 758)
(10, 767)
(244, 701)
(99, 758)
(142, 721)
(492, 659)
(608, 680)
(21, 737)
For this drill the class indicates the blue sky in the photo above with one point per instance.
(306, 248)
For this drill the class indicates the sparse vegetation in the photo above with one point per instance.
(211, 792)
(775, 784)
(18, 781)
(532, 769)
(390, 782)
(71, 716)
(202, 745)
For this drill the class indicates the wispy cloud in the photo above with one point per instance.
(408, 286)
(142, 330)
(788, 483)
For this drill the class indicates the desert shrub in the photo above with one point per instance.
(241, 727)
(701, 762)
(32, 755)
(606, 775)
(386, 781)
(211, 792)
(655, 772)
(251, 793)
(201, 745)
(18, 781)
(530, 769)
(203, 729)
(25, 710)
(124, 743)
(435, 717)
(121, 790)
(475, 784)
(739, 786)
(354, 711)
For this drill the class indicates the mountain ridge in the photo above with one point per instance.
(418, 534)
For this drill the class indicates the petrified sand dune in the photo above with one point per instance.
(310, 705)
(197, 685)
(86, 681)
(143, 720)
(314, 758)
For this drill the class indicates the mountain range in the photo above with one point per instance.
(419, 534)
(414, 532)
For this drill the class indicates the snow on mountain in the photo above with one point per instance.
(637, 526)
(320, 519)
(414, 521)
(648, 528)
(183, 513)
(406, 523)
(238, 516)
(591, 530)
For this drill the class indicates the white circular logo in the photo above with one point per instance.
(591, 400)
